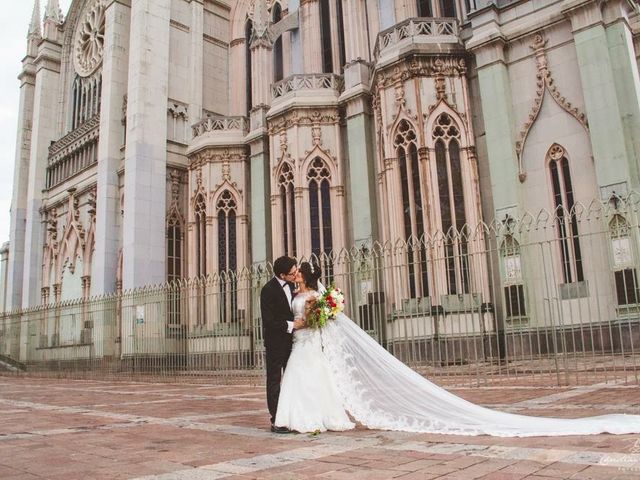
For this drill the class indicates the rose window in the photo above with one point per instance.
(90, 41)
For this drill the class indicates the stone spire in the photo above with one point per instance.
(52, 20)
(34, 26)
(53, 12)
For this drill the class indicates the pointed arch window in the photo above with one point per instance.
(248, 34)
(201, 255)
(175, 241)
(201, 236)
(286, 190)
(452, 208)
(227, 256)
(278, 68)
(412, 208)
(175, 246)
(85, 99)
(424, 8)
(319, 182)
(566, 219)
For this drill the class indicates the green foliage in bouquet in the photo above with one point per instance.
(326, 307)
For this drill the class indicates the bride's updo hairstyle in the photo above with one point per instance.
(311, 273)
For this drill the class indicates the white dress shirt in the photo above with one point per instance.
(287, 291)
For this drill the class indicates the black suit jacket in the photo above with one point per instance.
(276, 312)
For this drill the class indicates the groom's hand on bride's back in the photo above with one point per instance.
(298, 323)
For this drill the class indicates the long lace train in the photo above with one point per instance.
(381, 392)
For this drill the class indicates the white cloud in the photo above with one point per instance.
(14, 24)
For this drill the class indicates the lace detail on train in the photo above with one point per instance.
(381, 392)
(309, 399)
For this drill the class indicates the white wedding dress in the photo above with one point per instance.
(342, 368)
(309, 399)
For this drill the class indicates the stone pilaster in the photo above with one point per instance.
(197, 61)
(599, 86)
(495, 93)
(145, 161)
(44, 131)
(114, 88)
(261, 241)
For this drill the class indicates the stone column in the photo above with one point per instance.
(45, 116)
(626, 78)
(114, 88)
(599, 89)
(21, 176)
(296, 59)
(145, 162)
(495, 92)
(361, 176)
(355, 31)
(311, 37)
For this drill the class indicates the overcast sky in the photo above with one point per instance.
(14, 24)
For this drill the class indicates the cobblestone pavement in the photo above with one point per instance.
(64, 429)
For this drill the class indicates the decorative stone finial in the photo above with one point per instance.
(34, 27)
(260, 18)
(53, 12)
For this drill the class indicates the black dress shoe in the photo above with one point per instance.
(275, 429)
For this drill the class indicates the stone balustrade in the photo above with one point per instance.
(215, 123)
(423, 30)
(313, 81)
(74, 152)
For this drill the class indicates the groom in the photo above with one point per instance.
(277, 327)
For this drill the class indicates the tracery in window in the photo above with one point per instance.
(85, 99)
(566, 219)
(412, 208)
(452, 207)
(175, 245)
(286, 190)
(319, 182)
(227, 256)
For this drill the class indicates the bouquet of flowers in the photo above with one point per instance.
(326, 307)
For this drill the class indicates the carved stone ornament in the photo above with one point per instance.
(259, 14)
(544, 83)
(89, 41)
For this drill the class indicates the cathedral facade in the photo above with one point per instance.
(169, 139)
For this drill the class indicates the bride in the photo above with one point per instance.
(340, 369)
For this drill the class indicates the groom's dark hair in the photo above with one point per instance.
(283, 265)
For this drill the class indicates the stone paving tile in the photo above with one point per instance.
(124, 430)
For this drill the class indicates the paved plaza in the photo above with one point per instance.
(81, 429)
